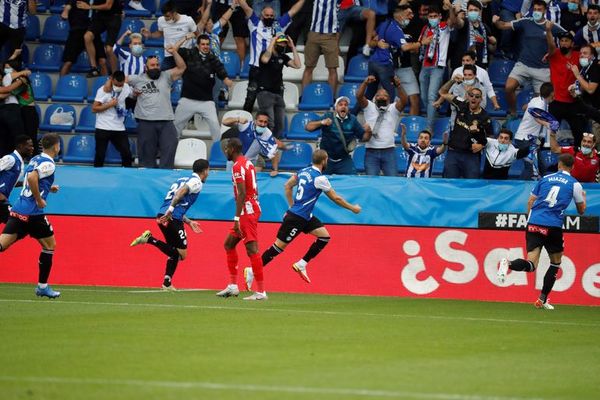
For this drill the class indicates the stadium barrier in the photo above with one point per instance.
(417, 238)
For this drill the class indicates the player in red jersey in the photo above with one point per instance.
(245, 222)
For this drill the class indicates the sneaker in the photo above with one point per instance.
(257, 296)
(136, 5)
(366, 50)
(301, 271)
(248, 277)
(546, 306)
(230, 290)
(47, 292)
(502, 270)
(168, 288)
(143, 238)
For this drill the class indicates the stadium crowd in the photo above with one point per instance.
(462, 89)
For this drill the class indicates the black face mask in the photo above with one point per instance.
(268, 22)
(281, 49)
(153, 73)
(380, 103)
(564, 50)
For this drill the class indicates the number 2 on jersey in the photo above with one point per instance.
(552, 197)
(174, 188)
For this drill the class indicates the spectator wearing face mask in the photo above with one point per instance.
(500, 154)
(590, 34)
(471, 34)
(131, 62)
(587, 162)
(572, 17)
(553, 10)
(470, 58)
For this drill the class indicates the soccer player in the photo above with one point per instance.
(245, 221)
(547, 203)
(11, 170)
(170, 219)
(27, 215)
(299, 218)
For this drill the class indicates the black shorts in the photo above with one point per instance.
(293, 224)
(75, 45)
(4, 211)
(36, 226)
(174, 233)
(109, 23)
(544, 236)
(238, 21)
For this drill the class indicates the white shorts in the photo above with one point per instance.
(409, 80)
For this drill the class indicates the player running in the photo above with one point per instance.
(11, 170)
(547, 203)
(311, 183)
(27, 215)
(171, 217)
(245, 222)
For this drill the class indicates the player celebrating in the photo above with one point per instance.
(11, 170)
(311, 183)
(547, 203)
(171, 217)
(245, 221)
(27, 215)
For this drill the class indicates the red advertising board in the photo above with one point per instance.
(360, 260)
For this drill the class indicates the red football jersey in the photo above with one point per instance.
(243, 171)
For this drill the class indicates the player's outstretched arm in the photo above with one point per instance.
(289, 189)
(340, 201)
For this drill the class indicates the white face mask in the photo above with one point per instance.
(469, 81)
(117, 89)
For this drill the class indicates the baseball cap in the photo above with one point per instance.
(281, 38)
(342, 98)
(565, 35)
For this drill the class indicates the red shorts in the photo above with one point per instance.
(249, 228)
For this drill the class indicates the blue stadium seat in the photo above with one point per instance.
(501, 97)
(440, 126)
(513, 125)
(113, 156)
(296, 157)
(152, 42)
(82, 64)
(57, 6)
(160, 53)
(516, 168)
(87, 121)
(357, 69)
(130, 123)
(70, 87)
(523, 98)
(401, 160)
(358, 157)
(47, 57)
(499, 70)
(56, 30)
(149, 5)
(438, 165)
(81, 149)
(56, 124)
(349, 90)
(133, 24)
(496, 126)
(245, 72)
(41, 84)
(414, 125)
(176, 91)
(316, 96)
(97, 82)
(298, 123)
(42, 6)
(217, 158)
(231, 61)
(32, 31)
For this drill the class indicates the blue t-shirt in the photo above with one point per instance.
(11, 167)
(511, 5)
(533, 41)
(420, 161)
(391, 32)
(553, 195)
(194, 184)
(44, 165)
(311, 183)
(330, 138)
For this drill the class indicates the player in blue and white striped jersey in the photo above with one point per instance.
(546, 207)
(171, 216)
(11, 170)
(300, 219)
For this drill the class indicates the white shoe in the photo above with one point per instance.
(301, 271)
(249, 277)
(366, 50)
(502, 270)
(230, 290)
(136, 5)
(546, 306)
(257, 296)
(169, 288)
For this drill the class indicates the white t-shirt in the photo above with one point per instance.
(6, 81)
(483, 77)
(497, 158)
(529, 127)
(113, 118)
(387, 130)
(174, 31)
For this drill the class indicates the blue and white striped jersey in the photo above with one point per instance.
(13, 13)
(324, 16)
(44, 165)
(261, 35)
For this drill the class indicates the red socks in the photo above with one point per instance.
(257, 269)
(232, 265)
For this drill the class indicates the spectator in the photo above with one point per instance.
(10, 111)
(530, 66)
(322, 39)
(259, 5)
(590, 34)
(106, 17)
(470, 58)
(403, 61)
(154, 112)
(13, 22)
(109, 106)
(552, 13)
(198, 82)
(300, 25)
(383, 118)
(262, 32)
(349, 11)
(572, 18)
(79, 21)
(585, 88)
(587, 162)
(131, 62)
(421, 154)
(500, 154)
(173, 27)
(237, 22)
(468, 137)
(562, 77)
(339, 132)
(270, 80)
(509, 11)
(472, 35)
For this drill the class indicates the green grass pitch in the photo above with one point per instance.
(129, 343)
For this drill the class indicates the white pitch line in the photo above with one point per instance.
(260, 388)
(292, 311)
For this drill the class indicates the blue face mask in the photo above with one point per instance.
(261, 129)
(433, 22)
(8, 71)
(473, 15)
(502, 146)
(572, 6)
(537, 16)
(586, 150)
(137, 50)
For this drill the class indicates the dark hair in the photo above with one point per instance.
(262, 112)
(546, 89)
(592, 49)
(49, 140)
(471, 54)
(169, 6)
(118, 76)
(234, 144)
(426, 132)
(200, 165)
(402, 7)
(204, 36)
(22, 140)
(506, 131)
(470, 67)
(593, 7)
(15, 64)
(566, 159)
(474, 3)
(539, 3)
(433, 8)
